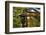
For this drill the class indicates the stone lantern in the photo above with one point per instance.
(25, 14)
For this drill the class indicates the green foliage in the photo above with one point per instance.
(16, 18)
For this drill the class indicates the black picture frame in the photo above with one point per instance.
(7, 17)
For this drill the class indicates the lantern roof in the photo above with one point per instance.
(32, 10)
